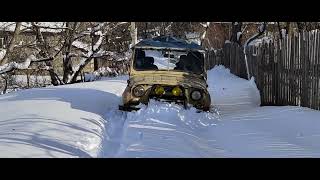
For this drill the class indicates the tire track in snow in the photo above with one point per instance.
(163, 130)
(111, 144)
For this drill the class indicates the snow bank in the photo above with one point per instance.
(64, 121)
(230, 93)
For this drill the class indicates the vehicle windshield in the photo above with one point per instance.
(191, 61)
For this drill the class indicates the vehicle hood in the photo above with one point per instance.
(185, 80)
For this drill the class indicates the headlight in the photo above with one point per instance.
(196, 95)
(176, 91)
(159, 90)
(138, 91)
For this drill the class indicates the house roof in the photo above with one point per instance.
(168, 42)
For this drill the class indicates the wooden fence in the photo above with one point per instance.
(287, 72)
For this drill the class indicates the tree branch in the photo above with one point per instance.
(261, 30)
(25, 65)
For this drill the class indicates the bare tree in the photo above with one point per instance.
(87, 41)
(236, 32)
(44, 52)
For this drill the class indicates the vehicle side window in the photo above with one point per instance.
(140, 55)
(149, 63)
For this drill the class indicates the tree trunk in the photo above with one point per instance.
(146, 30)
(204, 33)
(4, 91)
(67, 64)
(95, 64)
(236, 28)
(76, 74)
(134, 33)
(12, 43)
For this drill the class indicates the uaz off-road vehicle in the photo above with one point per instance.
(167, 69)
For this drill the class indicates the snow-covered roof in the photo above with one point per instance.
(168, 42)
(54, 27)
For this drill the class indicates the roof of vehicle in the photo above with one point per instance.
(164, 42)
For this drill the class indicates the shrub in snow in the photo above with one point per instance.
(101, 72)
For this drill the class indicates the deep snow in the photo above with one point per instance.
(82, 120)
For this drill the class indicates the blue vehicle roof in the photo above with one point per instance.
(168, 42)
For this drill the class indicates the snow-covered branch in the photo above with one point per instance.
(97, 45)
(49, 27)
(25, 65)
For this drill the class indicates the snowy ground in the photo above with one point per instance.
(82, 120)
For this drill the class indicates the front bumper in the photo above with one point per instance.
(130, 102)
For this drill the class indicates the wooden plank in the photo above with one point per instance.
(313, 71)
(286, 71)
(299, 68)
(276, 72)
(265, 75)
(308, 70)
(291, 75)
(273, 73)
(289, 72)
(231, 55)
(296, 72)
(257, 70)
(270, 74)
(230, 58)
(280, 60)
(263, 87)
(317, 71)
(264, 60)
(304, 71)
(237, 61)
(289, 69)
